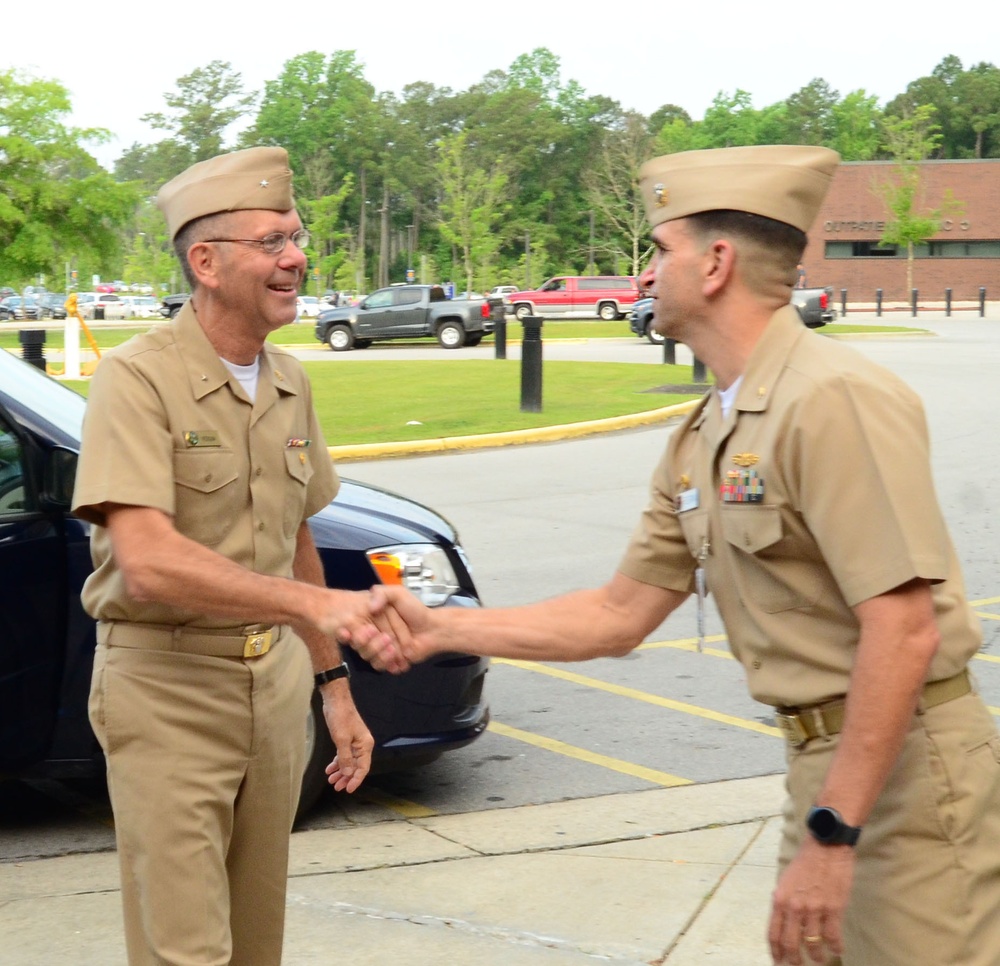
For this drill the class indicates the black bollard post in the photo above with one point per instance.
(913, 302)
(878, 302)
(982, 301)
(843, 303)
(499, 318)
(670, 352)
(947, 303)
(531, 364)
(32, 347)
(698, 374)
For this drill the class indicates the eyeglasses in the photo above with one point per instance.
(273, 244)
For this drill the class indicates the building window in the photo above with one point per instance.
(862, 249)
(934, 249)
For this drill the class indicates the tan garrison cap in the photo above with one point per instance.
(785, 182)
(255, 178)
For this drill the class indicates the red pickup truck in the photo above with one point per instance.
(607, 297)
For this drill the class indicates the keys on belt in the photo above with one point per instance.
(800, 725)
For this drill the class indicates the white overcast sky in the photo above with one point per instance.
(118, 58)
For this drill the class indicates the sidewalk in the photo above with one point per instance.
(674, 876)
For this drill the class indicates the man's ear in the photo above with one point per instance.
(204, 261)
(720, 266)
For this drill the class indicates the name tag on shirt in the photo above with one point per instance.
(688, 500)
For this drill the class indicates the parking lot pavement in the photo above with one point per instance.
(673, 876)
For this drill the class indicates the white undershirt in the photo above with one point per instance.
(728, 396)
(246, 376)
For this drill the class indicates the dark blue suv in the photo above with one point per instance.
(47, 645)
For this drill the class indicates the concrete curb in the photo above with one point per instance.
(545, 434)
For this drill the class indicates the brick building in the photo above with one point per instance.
(844, 249)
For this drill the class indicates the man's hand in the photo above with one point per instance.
(405, 627)
(351, 737)
(352, 618)
(809, 903)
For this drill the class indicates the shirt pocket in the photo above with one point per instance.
(300, 470)
(207, 494)
(768, 575)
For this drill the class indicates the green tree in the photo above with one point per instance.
(149, 256)
(473, 200)
(56, 201)
(205, 103)
(612, 185)
(730, 121)
(329, 246)
(857, 127)
(667, 114)
(910, 140)
(809, 116)
(977, 108)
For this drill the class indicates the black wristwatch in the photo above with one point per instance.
(828, 828)
(333, 674)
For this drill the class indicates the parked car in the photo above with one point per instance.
(364, 536)
(501, 291)
(170, 305)
(640, 321)
(309, 306)
(815, 305)
(815, 308)
(405, 312)
(606, 297)
(53, 305)
(20, 307)
(100, 305)
(141, 306)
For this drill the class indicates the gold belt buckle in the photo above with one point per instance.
(794, 731)
(257, 644)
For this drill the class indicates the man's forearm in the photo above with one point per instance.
(897, 643)
(159, 564)
(603, 622)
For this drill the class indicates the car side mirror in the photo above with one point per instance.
(59, 477)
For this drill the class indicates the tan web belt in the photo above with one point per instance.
(800, 725)
(252, 641)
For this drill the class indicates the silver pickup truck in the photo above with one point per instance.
(405, 312)
(815, 307)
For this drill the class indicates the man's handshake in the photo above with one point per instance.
(407, 631)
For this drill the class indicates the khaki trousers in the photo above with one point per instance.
(205, 758)
(926, 890)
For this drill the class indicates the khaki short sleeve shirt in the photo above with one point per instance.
(813, 495)
(168, 427)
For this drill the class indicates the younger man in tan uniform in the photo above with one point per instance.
(201, 461)
(800, 493)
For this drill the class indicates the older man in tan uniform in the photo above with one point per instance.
(201, 461)
(799, 493)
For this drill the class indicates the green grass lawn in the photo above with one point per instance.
(399, 400)
(380, 402)
(303, 334)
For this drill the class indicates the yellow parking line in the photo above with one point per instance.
(636, 695)
(984, 601)
(582, 754)
(985, 616)
(401, 806)
(690, 644)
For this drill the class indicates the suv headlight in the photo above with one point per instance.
(422, 568)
